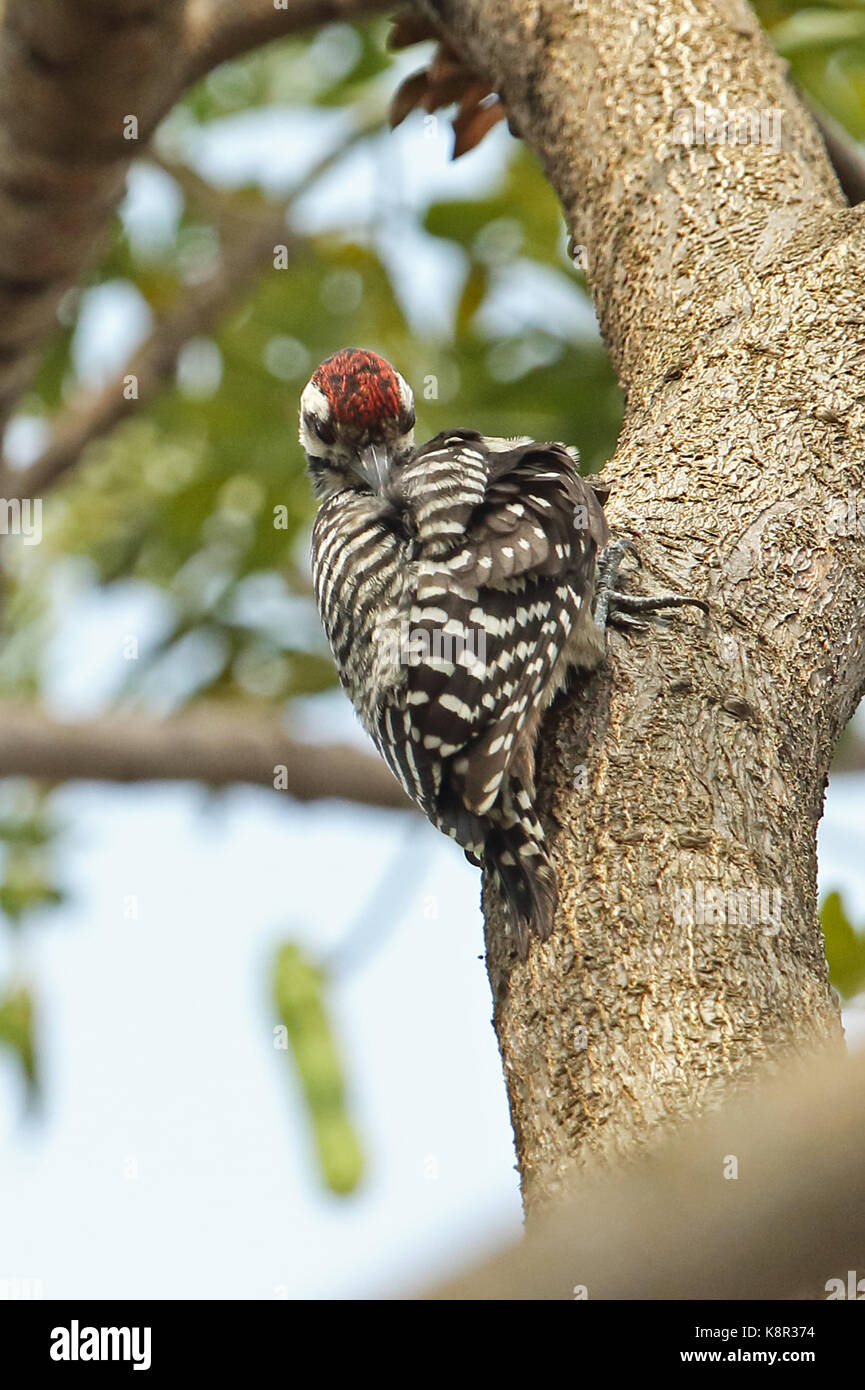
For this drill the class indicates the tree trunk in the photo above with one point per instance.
(681, 787)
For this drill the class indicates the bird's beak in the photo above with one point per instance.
(374, 466)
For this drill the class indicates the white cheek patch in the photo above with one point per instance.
(406, 400)
(312, 402)
(309, 441)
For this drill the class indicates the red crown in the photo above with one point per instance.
(360, 386)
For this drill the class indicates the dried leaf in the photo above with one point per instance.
(473, 123)
(447, 80)
(445, 62)
(445, 90)
(409, 95)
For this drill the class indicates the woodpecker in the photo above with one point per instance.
(458, 584)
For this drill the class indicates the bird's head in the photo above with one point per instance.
(356, 422)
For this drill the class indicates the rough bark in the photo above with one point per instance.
(217, 747)
(727, 283)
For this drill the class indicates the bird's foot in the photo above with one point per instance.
(612, 606)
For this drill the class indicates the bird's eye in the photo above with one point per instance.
(406, 420)
(322, 428)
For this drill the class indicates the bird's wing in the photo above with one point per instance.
(506, 539)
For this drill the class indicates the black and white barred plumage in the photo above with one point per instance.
(455, 582)
(454, 609)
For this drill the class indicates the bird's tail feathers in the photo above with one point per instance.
(526, 881)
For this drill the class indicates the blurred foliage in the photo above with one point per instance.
(201, 498)
(825, 47)
(17, 1033)
(27, 833)
(845, 948)
(300, 990)
(333, 67)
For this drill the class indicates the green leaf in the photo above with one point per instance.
(17, 1032)
(300, 989)
(25, 883)
(812, 29)
(845, 948)
(28, 830)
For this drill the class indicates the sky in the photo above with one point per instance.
(170, 1156)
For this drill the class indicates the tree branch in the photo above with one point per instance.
(219, 30)
(766, 1202)
(567, 81)
(216, 747)
(72, 76)
(83, 87)
(725, 277)
(845, 156)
